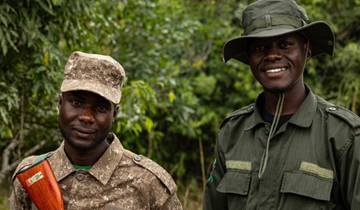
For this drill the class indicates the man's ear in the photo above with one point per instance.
(308, 49)
(116, 110)
(309, 52)
(60, 100)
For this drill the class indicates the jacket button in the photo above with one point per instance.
(332, 108)
(137, 158)
(80, 177)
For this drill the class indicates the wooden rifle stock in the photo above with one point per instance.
(40, 184)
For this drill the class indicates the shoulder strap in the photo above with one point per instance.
(344, 114)
(242, 111)
(157, 170)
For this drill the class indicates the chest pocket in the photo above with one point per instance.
(307, 185)
(302, 190)
(235, 182)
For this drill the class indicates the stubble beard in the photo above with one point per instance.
(98, 139)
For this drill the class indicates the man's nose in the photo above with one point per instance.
(272, 53)
(87, 115)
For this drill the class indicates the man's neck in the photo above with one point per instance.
(85, 157)
(292, 102)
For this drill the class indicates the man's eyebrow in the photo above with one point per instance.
(77, 95)
(104, 102)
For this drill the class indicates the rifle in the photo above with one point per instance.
(40, 183)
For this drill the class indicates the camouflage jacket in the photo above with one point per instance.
(118, 180)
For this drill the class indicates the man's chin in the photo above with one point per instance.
(81, 145)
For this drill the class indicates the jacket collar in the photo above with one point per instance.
(303, 117)
(306, 112)
(101, 170)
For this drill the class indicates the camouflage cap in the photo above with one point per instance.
(269, 18)
(99, 74)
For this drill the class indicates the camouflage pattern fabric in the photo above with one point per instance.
(119, 180)
(96, 73)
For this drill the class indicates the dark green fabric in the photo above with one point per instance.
(81, 167)
(236, 182)
(306, 184)
(260, 12)
(318, 133)
(274, 20)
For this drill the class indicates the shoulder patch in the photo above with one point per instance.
(244, 110)
(157, 170)
(348, 116)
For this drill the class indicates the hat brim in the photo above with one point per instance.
(319, 34)
(110, 94)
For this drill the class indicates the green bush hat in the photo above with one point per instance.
(100, 74)
(269, 18)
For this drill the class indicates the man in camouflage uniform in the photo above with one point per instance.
(91, 166)
(291, 149)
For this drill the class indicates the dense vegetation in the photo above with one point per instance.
(178, 87)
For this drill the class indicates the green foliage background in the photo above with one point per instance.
(178, 87)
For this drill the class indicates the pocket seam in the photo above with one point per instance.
(313, 182)
(236, 182)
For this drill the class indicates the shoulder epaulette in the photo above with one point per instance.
(244, 110)
(344, 114)
(157, 170)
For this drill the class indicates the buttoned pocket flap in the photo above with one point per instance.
(307, 185)
(236, 182)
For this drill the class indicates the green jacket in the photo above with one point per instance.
(313, 160)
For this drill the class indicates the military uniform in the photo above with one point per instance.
(120, 180)
(313, 160)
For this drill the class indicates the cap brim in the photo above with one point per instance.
(319, 33)
(110, 94)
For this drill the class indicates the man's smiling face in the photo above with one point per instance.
(278, 62)
(85, 119)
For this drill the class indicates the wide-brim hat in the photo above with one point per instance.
(99, 74)
(269, 18)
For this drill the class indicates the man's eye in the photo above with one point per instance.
(284, 44)
(257, 49)
(102, 108)
(75, 103)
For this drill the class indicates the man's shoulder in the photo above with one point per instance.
(30, 161)
(339, 113)
(238, 113)
(148, 166)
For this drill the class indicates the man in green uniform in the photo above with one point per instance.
(92, 168)
(291, 149)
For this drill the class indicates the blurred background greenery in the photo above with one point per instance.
(178, 87)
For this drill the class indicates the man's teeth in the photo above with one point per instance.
(275, 70)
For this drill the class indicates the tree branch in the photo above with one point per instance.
(7, 153)
(6, 167)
